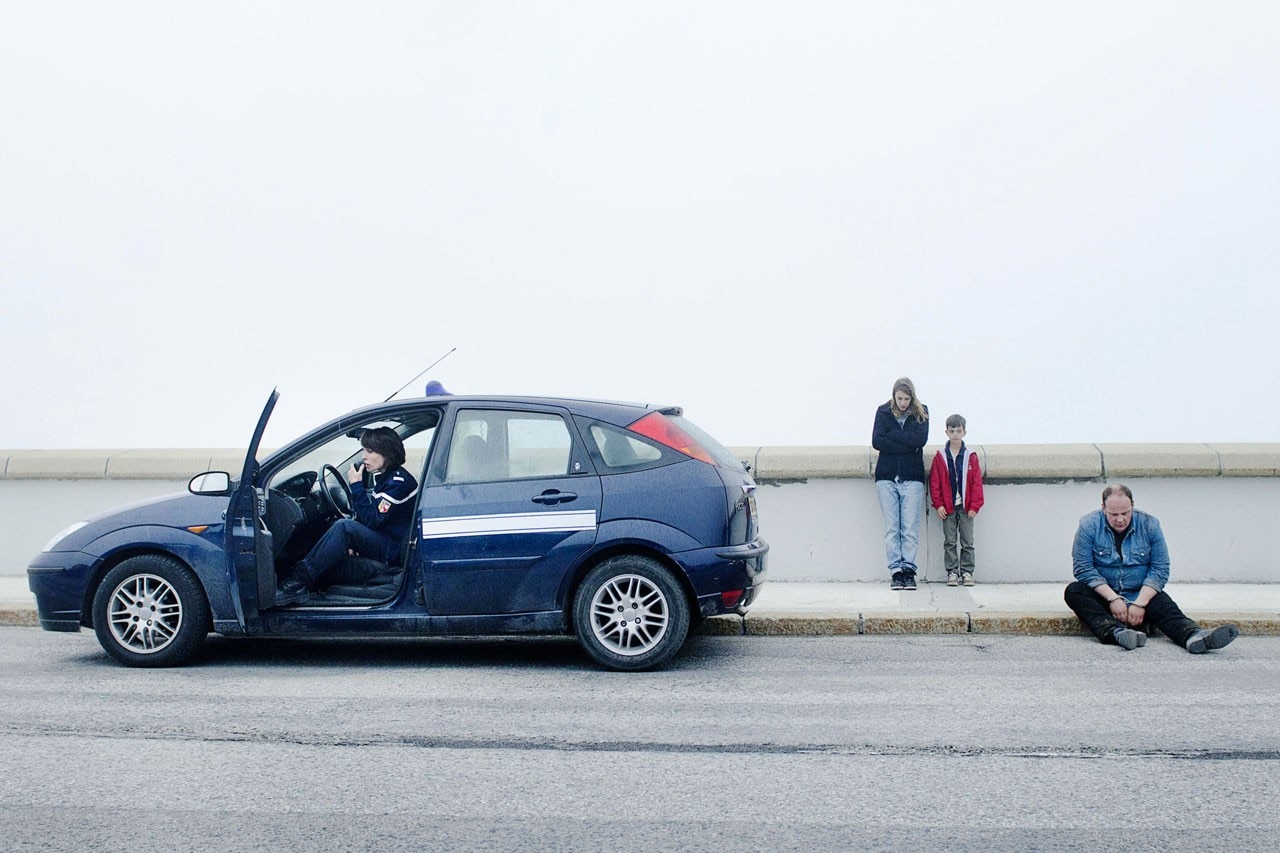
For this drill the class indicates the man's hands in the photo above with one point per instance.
(1119, 609)
(1136, 615)
(1132, 615)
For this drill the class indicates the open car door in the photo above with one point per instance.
(249, 555)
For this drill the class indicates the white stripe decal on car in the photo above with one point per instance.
(507, 523)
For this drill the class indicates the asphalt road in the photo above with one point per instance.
(929, 742)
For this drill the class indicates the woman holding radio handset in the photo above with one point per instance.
(383, 512)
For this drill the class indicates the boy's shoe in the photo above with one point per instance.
(967, 578)
(1202, 641)
(1129, 639)
(896, 582)
(953, 579)
(908, 580)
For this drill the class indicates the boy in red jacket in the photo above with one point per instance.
(955, 486)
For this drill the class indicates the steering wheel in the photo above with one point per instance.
(336, 497)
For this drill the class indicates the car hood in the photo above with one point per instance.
(179, 510)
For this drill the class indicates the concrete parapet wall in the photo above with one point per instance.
(1009, 463)
(116, 464)
(1000, 462)
(1217, 502)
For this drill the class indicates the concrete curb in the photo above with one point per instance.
(831, 624)
(18, 616)
(1011, 623)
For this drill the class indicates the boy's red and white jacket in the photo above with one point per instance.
(940, 482)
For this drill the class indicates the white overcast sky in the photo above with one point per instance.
(1060, 219)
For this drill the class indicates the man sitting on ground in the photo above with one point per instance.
(1121, 564)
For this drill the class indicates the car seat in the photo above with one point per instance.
(474, 460)
(361, 580)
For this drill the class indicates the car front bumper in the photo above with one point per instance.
(58, 579)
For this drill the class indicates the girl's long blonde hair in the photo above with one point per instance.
(915, 409)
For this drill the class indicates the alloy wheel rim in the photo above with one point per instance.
(629, 615)
(145, 614)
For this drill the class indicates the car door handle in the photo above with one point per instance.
(551, 497)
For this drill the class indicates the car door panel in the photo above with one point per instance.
(248, 543)
(514, 506)
(490, 548)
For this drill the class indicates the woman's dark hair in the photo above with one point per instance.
(385, 442)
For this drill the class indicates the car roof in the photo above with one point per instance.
(613, 411)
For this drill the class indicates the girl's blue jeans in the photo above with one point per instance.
(902, 504)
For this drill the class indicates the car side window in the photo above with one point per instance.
(417, 432)
(620, 450)
(490, 445)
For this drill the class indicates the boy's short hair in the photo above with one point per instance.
(955, 421)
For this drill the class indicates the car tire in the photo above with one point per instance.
(630, 614)
(151, 611)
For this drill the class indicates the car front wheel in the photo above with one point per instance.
(630, 614)
(150, 611)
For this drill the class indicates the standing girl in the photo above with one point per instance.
(900, 432)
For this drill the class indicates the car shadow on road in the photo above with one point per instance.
(563, 653)
(558, 652)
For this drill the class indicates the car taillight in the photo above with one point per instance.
(661, 429)
(731, 597)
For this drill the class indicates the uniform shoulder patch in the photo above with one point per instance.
(384, 506)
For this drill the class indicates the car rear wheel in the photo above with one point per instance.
(150, 611)
(630, 613)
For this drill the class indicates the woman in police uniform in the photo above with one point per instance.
(383, 515)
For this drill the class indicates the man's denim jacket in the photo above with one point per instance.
(1145, 561)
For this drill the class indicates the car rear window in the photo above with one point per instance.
(718, 451)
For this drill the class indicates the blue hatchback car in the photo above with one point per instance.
(621, 524)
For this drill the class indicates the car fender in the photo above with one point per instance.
(207, 559)
(658, 536)
(632, 535)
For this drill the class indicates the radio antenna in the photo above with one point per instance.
(424, 370)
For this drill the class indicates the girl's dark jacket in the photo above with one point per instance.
(901, 446)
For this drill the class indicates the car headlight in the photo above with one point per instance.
(64, 533)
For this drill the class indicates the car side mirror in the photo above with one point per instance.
(210, 483)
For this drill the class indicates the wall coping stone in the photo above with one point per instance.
(1004, 462)
(1238, 459)
(1164, 460)
(1001, 462)
(57, 464)
(116, 464)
